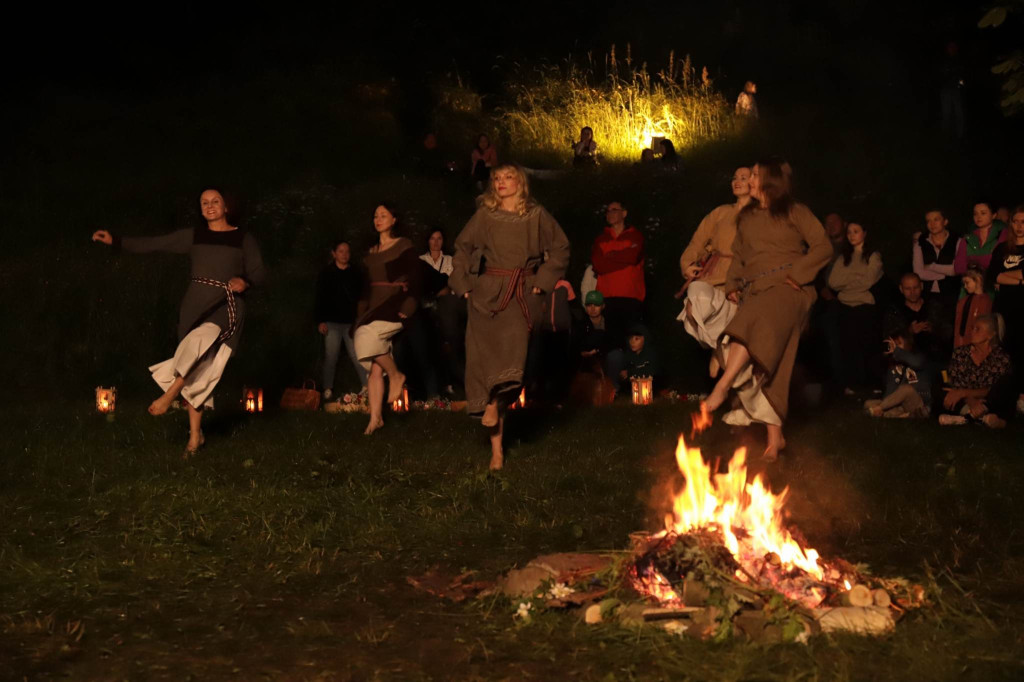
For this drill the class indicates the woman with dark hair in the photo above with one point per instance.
(507, 259)
(226, 262)
(780, 247)
(449, 311)
(390, 297)
(669, 157)
(483, 158)
(338, 290)
(976, 248)
(1007, 269)
(584, 150)
(855, 272)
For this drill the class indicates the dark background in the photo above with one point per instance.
(117, 119)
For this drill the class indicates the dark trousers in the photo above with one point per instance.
(416, 355)
(860, 341)
(450, 316)
(620, 314)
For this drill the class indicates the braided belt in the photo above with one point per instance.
(747, 281)
(232, 308)
(515, 288)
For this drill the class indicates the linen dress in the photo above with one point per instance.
(392, 290)
(771, 314)
(201, 355)
(497, 335)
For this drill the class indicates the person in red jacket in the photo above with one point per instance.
(618, 260)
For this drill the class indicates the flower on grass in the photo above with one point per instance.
(560, 591)
(523, 612)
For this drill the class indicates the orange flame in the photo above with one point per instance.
(748, 515)
(701, 420)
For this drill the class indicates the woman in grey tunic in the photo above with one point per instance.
(226, 261)
(508, 256)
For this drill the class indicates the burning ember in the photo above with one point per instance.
(739, 525)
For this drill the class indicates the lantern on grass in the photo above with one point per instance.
(252, 399)
(402, 404)
(643, 390)
(106, 399)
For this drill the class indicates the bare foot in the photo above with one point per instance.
(497, 460)
(396, 384)
(161, 405)
(716, 398)
(490, 417)
(373, 426)
(194, 443)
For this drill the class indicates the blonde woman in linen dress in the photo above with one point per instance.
(780, 247)
(510, 254)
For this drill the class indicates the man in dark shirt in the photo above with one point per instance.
(337, 293)
(923, 316)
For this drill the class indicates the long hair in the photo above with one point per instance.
(492, 202)
(867, 248)
(1011, 241)
(776, 178)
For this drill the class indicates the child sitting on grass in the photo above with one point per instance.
(640, 360)
(908, 383)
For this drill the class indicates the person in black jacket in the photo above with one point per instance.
(337, 293)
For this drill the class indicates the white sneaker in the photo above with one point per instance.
(328, 394)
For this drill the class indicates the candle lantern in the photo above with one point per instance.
(643, 390)
(106, 399)
(252, 399)
(402, 404)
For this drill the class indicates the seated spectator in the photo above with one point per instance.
(746, 103)
(483, 158)
(979, 380)
(669, 157)
(435, 257)
(598, 355)
(1003, 215)
(973, 305)
(338, 290)
(908, 383)
(923, 315)
(1005, 269)
(618, 262)
(640, 359)
(646, 156)
(852, 278)
(976, 248)
(934, 256)
(584, 150)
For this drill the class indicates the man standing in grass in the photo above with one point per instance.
(618, 259)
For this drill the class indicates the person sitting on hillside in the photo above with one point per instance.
(618, 261)
(598, 354)
(646, 156)
(973, 305)
(923, 315)
(584, 150)
(746, 103)
(976, 248)
(669, 157)
(482, 159)
(908, 383)
(639, 359)
(979, 377)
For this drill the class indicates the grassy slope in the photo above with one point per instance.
(281, 552)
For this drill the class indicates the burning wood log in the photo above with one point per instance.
(654, 614)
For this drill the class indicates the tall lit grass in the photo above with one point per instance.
(626, 107)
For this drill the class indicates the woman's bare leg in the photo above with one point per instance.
(195, 430)
(375, 383)
(163, 403)
(737, 360)
(497, 453)
(776, 442)
(396, 380)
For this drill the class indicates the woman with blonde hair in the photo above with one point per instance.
(508, 256)
(780, 247)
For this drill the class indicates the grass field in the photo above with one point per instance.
(281, 552)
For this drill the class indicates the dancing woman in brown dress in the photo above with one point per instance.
(780, 247)
(508, 256)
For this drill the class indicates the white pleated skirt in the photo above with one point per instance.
(201, 369)
(373, 339)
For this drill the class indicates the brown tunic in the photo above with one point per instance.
(714, 235)
(392, 284)
(772, 314)
(496, 342)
